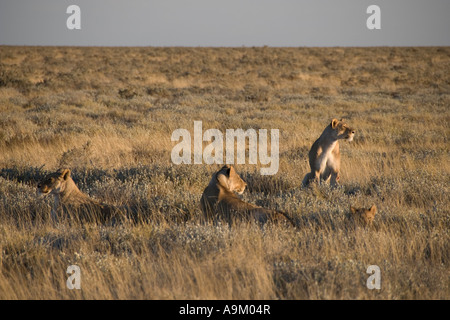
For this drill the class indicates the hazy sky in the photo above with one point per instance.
(225, 23)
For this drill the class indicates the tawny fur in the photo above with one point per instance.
(364, 216)
(219, 201)
(324, 156)
(70, 201)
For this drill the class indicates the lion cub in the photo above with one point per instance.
(365, 216)
(324, 156)
(72, 201)
(219, 201)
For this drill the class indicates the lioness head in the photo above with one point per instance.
(364, 215)
(342, 130)
(54, 183)
(230, 180)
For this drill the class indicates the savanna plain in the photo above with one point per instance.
(108, 115)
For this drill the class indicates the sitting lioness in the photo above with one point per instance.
(324, 156)
(219, 202)
(73, 202)
(365, 216)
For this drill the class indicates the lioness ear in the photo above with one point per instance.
(231, 171)
(373, 209)
(353, 210)
(65, 174)
(334, 123)
(226, 168)
(223, 181)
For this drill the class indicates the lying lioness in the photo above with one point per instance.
(74, 203)
(219, 202)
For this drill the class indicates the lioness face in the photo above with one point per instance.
(342, 130)
(230, 180)
(364, 215)
(54, 183)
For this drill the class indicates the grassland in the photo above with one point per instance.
(108, 114)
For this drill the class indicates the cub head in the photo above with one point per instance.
(54, 183)
(230, 180)
(364, 215)
(342, 130)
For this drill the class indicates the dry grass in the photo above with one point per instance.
(108, 114)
